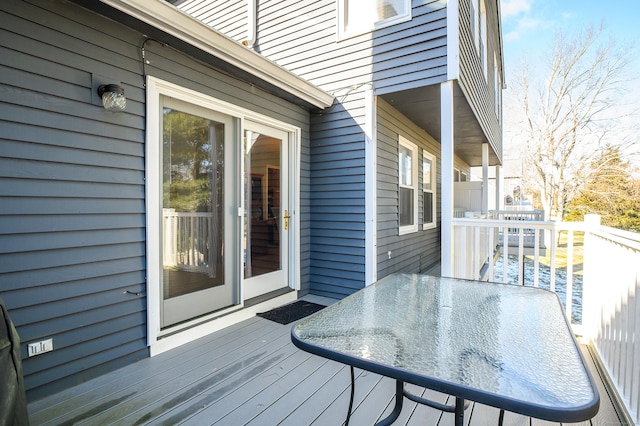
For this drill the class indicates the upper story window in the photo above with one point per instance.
(361, 16)
(408, 186)
(478, 22)
(474, 21)
(483, 37)
(428, 190)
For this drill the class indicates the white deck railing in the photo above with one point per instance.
(612, 307)
(535, 215)
(602, 299)
(187, 240)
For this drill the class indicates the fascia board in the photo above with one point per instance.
(167, 18)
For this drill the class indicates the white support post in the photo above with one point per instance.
(485, 178)
(499, 185)
(453, 40)
(446, 167)
(591, 287)
(371, 271)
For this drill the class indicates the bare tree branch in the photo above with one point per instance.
(568, 119)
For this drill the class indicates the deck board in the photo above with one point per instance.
(263, 395)
(607, 414)
(335, 412)
(422, 414)
(376, 404)
(185, 392)
(250, 373)
(299, 393)
(324, 393)
(110, 387)
(485, 415)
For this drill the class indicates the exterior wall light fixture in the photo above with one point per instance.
(113, 98)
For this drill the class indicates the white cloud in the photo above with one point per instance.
(514, 7)
(530, 23)
(524, 26)
(516, 15)
(512, 36)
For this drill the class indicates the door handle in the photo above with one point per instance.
(286, 218)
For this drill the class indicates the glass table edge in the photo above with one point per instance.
(555, 414)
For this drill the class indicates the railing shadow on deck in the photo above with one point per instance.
(601, 298)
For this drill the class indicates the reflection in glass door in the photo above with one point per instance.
(193, 221)
(266, 220)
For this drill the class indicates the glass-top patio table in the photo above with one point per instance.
(502, 345)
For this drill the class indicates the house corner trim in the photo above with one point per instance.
(453, 39)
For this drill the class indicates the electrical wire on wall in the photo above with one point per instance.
(144, 60)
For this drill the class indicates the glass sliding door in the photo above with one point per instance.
(195, 276)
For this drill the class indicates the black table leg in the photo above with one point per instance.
(353, 392)
(459, 413)
(457, 409)
(398, 407)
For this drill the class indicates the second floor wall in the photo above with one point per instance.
(308, 41)
(481, 72)
(309, 38)
(397, 46)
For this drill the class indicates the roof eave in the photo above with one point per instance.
(167, 18)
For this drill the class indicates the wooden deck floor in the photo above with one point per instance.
(250, 373)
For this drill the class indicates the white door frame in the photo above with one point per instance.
(155, 89)
(258, 285)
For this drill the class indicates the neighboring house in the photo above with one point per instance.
(310, 155)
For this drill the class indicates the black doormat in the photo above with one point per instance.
(292, 312)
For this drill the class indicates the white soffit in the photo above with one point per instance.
(167, 18)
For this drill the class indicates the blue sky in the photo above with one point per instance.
(529, 26)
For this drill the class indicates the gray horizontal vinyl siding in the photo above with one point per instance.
(302, 36)
(72, 187)
(414, 252)
(227, 16)
(479, 90)
(336, 200)
(72, 213)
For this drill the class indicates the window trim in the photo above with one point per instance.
(474, 23)
(343, 33)
(433, 190)
(497, 88)
(483, 39)
(408, 229)
(478, 29)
